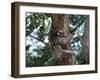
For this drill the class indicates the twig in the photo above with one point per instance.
(39, 40)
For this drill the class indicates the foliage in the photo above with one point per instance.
(79, 57)
(40, 60)
(77, 21)
(36, 21)
(37, 28)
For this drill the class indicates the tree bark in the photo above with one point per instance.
(85, 42)
(60, 39)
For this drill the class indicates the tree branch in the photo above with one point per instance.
(39, 40)
(68, 52)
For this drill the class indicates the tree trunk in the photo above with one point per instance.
(60, 39)
(85, 42)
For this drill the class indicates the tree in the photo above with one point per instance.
(51, 39)
(60, 39)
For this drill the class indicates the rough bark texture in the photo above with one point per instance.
(85, 42)
(60, 39)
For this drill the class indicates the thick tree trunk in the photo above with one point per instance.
(60, 39)
(85, 42)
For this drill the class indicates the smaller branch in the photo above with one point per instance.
(39, 40)
(68, 52)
